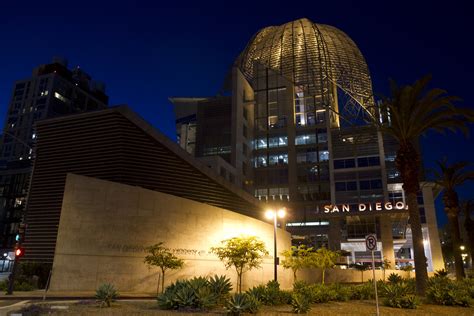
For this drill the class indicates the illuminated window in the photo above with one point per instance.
(60, 97)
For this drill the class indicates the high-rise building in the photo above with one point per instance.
(299, 95)
(52, 90)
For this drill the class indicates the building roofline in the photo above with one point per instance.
(146, 127)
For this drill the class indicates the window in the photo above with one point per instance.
(278, 141)
(324, 155)
(346, 186)
(60, 97)
(370, 184)
(344, 163)
(307, 156)
(422, 215)
(244, 149)
(244, 131)
(368, 161)
(419, 198)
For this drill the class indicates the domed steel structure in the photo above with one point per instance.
(312, 55)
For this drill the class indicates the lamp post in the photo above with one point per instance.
(273, 214)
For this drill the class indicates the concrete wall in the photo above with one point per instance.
(105, 225)
(347, 275)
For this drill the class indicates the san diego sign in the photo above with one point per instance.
(365, 207)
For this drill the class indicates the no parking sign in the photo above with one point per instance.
(371, 242)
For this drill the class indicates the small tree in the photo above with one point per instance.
(324, 259)
(297, 258)
(386, 264)
(361, 267)
(241, 253)
(161, 257)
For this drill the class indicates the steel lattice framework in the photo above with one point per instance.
(317, 56)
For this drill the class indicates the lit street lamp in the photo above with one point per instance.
(273, 214)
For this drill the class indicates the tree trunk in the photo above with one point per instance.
(408, 163)
(456, 238)
(468, 224)
(362, 275)
(294, 276)
(383, 271)
(418, 247)
(239, 281)
(162, 281)
(322, 275)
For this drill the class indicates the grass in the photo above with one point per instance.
(149, 307)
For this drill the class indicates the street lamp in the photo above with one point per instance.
(273, 214)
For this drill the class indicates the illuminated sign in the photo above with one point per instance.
(364, 207)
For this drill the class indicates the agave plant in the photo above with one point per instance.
(300, 303)
(394, 278)
(238, 304)
(220, 285)
(105, 294)
(441, 273)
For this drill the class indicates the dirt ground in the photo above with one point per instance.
(149, 307)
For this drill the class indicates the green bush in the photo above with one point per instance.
(364, 291)
(399, 295)
(270, 294)
(105, 294)
(20, 285)
(197, 293)
(300, 303)
(298, 285)
(441, 273)
(394, 278)
(242, 303)
(443, 291)
(220, 285)
(339, 292)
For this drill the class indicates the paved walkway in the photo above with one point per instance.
(59, 295)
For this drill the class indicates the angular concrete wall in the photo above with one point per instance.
(105, 225)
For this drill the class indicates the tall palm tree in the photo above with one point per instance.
(449, 177)
(412, 111)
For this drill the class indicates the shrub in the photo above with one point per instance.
(441, 273)
(399, 295)
(242, 303)
(105, 294)
(340, 292)
(363, 291)
(300, 303)
(270, 294)
(394, 278)
(320, 293)
(298, 285)
(443, 291)
(197, 293)
(409, 301)
(221, 286)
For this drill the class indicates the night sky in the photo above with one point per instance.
(146, 52)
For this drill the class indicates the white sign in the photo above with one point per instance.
(371, 242)
(365, 207)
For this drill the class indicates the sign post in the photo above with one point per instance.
(371, 245)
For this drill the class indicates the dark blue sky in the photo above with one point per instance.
(146, 52)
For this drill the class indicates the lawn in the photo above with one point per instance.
(329, 309)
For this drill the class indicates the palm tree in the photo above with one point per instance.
(411, 113)
(449, 177)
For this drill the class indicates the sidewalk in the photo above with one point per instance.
(78, 295)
